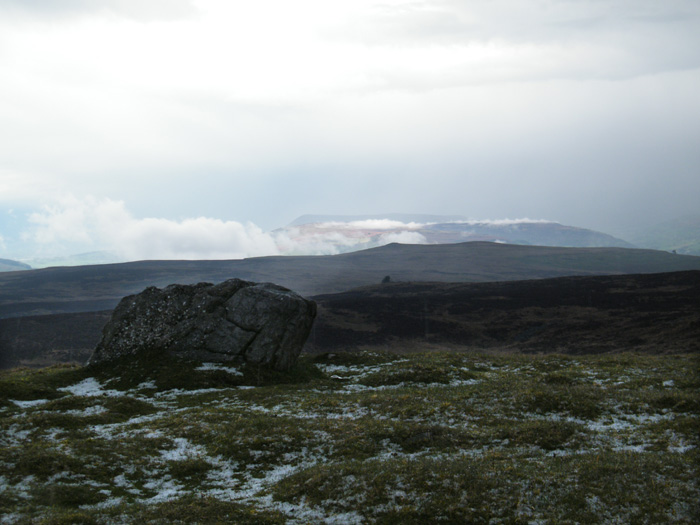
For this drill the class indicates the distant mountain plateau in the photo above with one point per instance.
(350, 233)
(8, 265)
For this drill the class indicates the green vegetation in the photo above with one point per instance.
(355, 438)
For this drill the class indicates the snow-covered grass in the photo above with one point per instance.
(357, 438)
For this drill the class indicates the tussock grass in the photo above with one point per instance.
(26, 384)
(355, 438)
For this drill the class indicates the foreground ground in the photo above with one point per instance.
(356, 438)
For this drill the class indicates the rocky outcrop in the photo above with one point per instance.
(235, 320)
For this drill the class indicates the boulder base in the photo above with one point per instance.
(235, 320)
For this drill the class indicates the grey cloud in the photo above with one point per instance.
(614, 39)
(454, 21)
(141, 10)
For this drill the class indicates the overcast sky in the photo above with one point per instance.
(215, 121)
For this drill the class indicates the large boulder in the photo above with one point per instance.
(232, 321)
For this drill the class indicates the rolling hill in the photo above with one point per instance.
(100, 287)
(8, 265)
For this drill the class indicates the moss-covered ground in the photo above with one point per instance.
(356, 438)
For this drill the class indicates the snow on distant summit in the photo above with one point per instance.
(328, 234)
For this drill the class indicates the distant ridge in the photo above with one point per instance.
(8, 265)
(346, 233)
(93, 288)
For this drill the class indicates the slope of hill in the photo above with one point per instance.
(93, 288)
(45, 340)
(652, 313)
(656, 313)
(8, 265)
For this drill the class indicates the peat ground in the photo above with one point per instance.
(651, 313)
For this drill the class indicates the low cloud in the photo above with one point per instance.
(72, 225)
(403, 238)
(330, 238)
(504, 222)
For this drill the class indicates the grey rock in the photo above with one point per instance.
(232, 321)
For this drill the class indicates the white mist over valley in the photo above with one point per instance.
(95, 231)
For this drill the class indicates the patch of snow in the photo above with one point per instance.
(464, 382)
(357, 371)
(90, 387)
(347, 389)
(25, 488)
(60, 475)
(167, 490)
(219, 366)
(13, 435)
(114, 430)
(120, 481)
(630, 448)
(175, 392)
(302, 513)
(89, 411)
(10, 518)
(109, 502)
(680, 449)
(29, 404)
(183, 450)
(627, 421)
(329, 369)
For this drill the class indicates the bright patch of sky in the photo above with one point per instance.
(158, 126)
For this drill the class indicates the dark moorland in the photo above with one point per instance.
(100, 287)
(651, 313)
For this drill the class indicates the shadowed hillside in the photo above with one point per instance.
(653, 313)
(45, 340)
(658, 313)
(100, 287)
